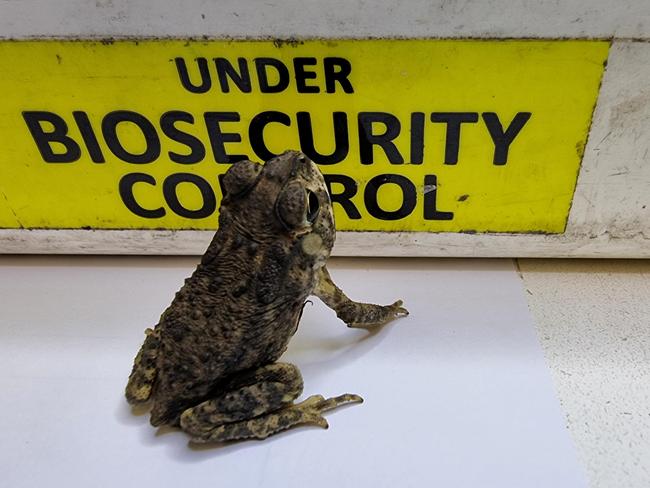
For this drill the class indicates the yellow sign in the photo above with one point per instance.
(412, 135)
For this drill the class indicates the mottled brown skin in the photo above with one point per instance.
(209, 366)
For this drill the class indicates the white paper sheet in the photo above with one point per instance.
(456, 395)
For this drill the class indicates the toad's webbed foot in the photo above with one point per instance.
(355, 314)
(310, 411)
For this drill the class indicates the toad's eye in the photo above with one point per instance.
(292, 205)
(313, 206)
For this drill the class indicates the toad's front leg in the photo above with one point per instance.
(355, 314)
(258, 404)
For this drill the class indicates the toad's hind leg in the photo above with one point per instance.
(256, 405)
(143, 375)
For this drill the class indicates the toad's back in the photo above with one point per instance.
(237, 311)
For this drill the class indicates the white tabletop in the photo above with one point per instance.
(458, 394)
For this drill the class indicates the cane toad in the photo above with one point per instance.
(210, 364)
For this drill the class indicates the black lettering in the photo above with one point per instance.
(367, 139)
(430, 200)
(337, 70)
(302, 75)
(218, 138)
(204, 73)
(409, 197)
(126, 192)
(241, 78)
(344, 198)
(502, 139)
(256, 131)
(341, 139)
(417, 137)
(453, 121)
(167, 124)
(109, 129)
(58, 135)
(261, 65)
(88, 135)
(171, 195)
